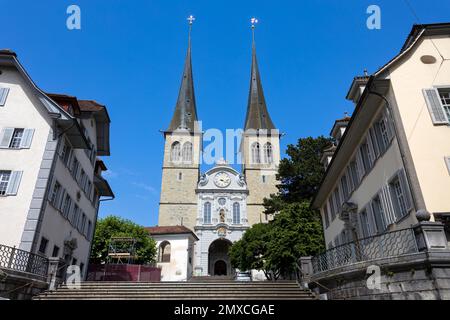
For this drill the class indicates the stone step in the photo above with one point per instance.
(287, 290)
(283, 298)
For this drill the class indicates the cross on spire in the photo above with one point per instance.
(191, 19)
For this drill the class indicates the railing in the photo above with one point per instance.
(24, 261)
(385, 245)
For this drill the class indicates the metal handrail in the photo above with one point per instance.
(384, 245)
(20, 260)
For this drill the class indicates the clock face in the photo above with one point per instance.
(222, 180)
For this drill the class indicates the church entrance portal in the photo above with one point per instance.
(220, 268)
(218, 260)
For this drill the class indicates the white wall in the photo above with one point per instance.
(178, 267)
(22, 110)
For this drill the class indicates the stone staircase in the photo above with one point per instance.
(191, 290)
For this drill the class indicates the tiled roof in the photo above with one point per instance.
(169, 230)
(90, 105)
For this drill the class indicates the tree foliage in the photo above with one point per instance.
(296, 229)
(299, 174)
(113, 226)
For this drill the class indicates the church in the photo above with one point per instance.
(202, 214)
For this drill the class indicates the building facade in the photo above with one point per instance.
(220, 204)
(391, 161)
(50, 171)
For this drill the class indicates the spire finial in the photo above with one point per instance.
(253, 21)
(191, 20)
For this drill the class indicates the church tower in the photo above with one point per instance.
(182, 148)
(260, 147)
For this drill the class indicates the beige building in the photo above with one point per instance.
(392, 155)
(220, 204)
(50, 171)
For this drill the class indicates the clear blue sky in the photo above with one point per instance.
(129, 56)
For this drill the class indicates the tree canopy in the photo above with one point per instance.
(296, 229)
(113, 226)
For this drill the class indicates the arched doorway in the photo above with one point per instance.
(220, 268)
(218, 260)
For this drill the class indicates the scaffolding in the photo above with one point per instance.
(122, 250)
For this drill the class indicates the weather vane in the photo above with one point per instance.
(191, 19)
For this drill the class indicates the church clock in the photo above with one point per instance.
(222, 180)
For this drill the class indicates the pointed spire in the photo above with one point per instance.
(185, 114)
(257, 115)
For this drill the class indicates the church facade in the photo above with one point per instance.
(220, 204)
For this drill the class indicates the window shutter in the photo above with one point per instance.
(360, 166)
(435, 107)
(3, 95)
(389, 124)
(447, 162)
(27, 138)
(371, 219)
(5, 137)
(59, 204)
(14, 181)
(405, 188)
(374, 143)
(386, 202)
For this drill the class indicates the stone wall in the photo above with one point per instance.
(421, 276)
(20, 285)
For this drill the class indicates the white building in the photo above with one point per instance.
(175, 251)
(50, 174)
(221, 218)
(392, 157)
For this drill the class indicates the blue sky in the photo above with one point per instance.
(129, 56)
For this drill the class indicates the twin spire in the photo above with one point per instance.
(185, 114)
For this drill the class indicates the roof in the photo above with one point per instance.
(99, 112)
(185, 114)
(338, 124)
(64, 119)
(257, 115)
(161, 230)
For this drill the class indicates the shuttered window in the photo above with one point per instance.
(364, 224)
(55, 194)
(444, 94)
(378, 214)
(435, 107)
(16, 138)
(400, 195)
(9, 182)
(447, 162)
(325, 216)
(3, 95)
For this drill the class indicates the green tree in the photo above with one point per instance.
(249, 252)
(296, 231)
(113, 226)
(299, 174)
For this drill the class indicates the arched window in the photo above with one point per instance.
(236, 213)
(268, 153)
(187, 152)
(207, 212)
(175, 151)
(256, 156)
(164, 252)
